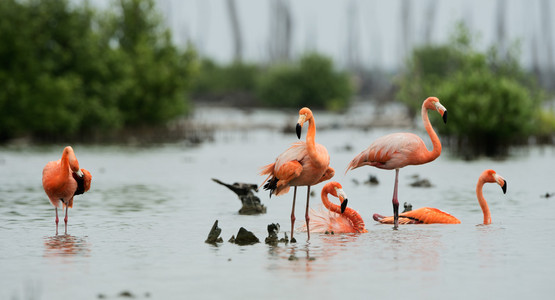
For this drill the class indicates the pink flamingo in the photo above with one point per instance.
(397, 150)
(428, 215)
(339, 219)
(62, 179)
(304, 163)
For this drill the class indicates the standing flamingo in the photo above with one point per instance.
(304, 163)
(337, 219)
(62, 179)
(428, 215)
(397, 150)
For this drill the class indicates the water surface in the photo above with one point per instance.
(141, 228)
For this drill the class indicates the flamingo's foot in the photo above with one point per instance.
(293, 240)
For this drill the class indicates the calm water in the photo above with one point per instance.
(141, 228)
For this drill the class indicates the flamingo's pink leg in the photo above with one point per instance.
(293, 215)
(396, 201)
(307, 218)
(57, 220)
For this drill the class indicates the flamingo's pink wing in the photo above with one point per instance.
(424, 215)
(390, 152)
(323, 220)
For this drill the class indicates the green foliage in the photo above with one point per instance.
(215, 79)
(66, 70)
(492, 102)
(312, 82)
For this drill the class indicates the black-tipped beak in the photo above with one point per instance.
(344, 205)
(504, 187)
(298, 129)
(445, 117)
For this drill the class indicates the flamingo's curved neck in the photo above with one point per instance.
(327, 203)
(64, 165)
(311, 144)
(482, 201)
(436, 151)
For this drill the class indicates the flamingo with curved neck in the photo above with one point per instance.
(303, 164)
(338, 218)
(429, 215)
(62, 180)
(398, 150)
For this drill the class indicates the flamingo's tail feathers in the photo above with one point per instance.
(266, 170)
(271, 185)
(359, 161)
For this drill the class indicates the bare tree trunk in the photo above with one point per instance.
(429, 21)
(501, 31)
(235, 31)
(281, 29)
(548, 38)
(353, 57)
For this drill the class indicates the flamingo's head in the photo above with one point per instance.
(305, 114)
(73, 163)
(335, 189)
(491, 176)
(433, 104)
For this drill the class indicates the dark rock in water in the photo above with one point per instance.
(425, 183)
(231, 239)
(372, 180)
(251, 203)
(548, 195)
(408, 207)
(245, 237)
(272, 239)
(126, 294)
(214, 235)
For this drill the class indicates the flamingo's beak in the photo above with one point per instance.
(442, 111)
(501, 181)
(79, 173)
(300, 122)
(343, 198)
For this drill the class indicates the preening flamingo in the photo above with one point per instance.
(337, 219)
(303, 164)
(397, 150)
(62, 179)
(428, 215)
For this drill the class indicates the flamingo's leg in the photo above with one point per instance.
(65, 219)
(57, 220)
(306, 217)
(293, 215)
(396, 201)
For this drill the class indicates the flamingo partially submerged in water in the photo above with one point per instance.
(337, 218)
(428, 215)
(62, 180)
(303, 164)
(398, 150)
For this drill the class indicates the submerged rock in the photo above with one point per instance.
(407, 206)
(251, 203)
(372, 180)
(425, 183)
(214, 234)
(245, 237)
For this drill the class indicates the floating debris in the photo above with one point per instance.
(425, 183)
(245, 237)
(214, 235)
(251, 203)
(126, 294)
(548, 195)
(408, 207)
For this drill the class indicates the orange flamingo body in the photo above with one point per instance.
(398, 150)
(428, 215)
(303, 164)
(337, 219)
(62, 180)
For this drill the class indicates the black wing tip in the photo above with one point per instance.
(271, 185)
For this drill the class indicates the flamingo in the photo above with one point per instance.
(428, 215)
(303, 164)
(339, 219)
(62, 179)
(397, 150)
